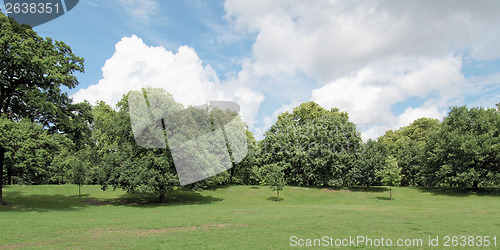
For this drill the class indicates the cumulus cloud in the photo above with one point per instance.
(326, 39)
(369, 94)
(369, 56)
(135, 65)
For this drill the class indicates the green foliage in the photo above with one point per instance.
(408, 145)
(466, 151)
(390, 174)
(274, 177)
(31, 153)
(316, 146)
(33, 71)
(78, 174)
(371, 159)
(137, 169)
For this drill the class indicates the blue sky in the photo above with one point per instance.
(384, 62)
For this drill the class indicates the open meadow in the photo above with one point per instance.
(241, 217)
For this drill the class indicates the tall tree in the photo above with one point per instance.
(465, 152)
(371, 158)
(32, 72)
(407, 145)
(316, 146)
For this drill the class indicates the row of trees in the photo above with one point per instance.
(45, 138)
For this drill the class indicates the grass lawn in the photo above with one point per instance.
(240, 217)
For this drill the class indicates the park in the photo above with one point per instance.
(75, 175)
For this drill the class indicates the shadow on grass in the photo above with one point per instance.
(374, 189)
(21, 202)
(461, 192)
(17, 201)
(174, 198)
(273, 198)
(384, 198)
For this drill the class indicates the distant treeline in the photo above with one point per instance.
(313, 147)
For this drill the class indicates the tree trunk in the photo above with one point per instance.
(2, 154)
(79, 190)
(278, 192)
(9, 175)
(231, 174)
(390, 192)
(161, 198)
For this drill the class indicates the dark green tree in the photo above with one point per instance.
(465, 152)
(407, 145)
(372, 158)
(32, 72)
(316, 146)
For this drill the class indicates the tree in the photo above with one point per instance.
(274, 177)
(407, 145)
(141, 160)
(371, 159)
(391, 174)
(465, 152)
(243, 171)
(316, 146)
(78, 174)
(32, 154)
(32, 71)
(124, 164)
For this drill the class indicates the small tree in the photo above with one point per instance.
(390, 174)
(274, 177)
(78, 174)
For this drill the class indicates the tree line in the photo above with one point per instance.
(46, 138)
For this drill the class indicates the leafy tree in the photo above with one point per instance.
(32, 72)
(31, 152)
(244, 172)
(407, 145)
(372, 158)
(465, 152)
(78, 174)
(274, 177)
(124, 164)
(315, 146)
(391, 174)
(147, 165)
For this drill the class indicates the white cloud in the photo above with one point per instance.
(411, 114)
(369, 56)
(135, 65)
(369, 94)
(141, 10)
(327, 39)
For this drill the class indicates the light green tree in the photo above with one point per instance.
(391, 174)
(274, 177)
(78, 174)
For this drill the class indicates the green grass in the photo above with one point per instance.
(238, 217)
